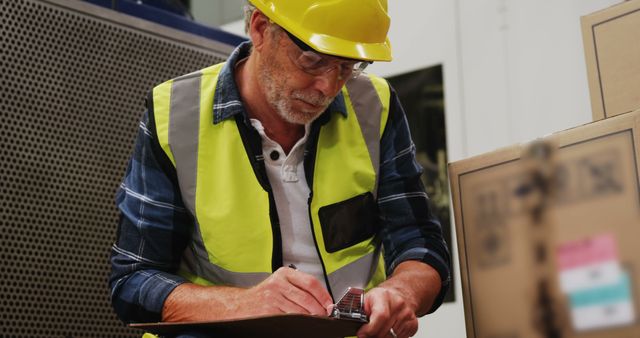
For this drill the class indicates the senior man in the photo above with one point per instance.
(285, 155)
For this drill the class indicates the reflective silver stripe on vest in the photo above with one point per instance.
(184, 116)
(352, 275)
(218, 275)
(368, 108)
(184, 119)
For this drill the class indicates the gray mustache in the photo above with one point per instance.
(317, 100)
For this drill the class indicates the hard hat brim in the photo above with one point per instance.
(349, 49)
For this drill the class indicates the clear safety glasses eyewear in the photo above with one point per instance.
(314, 63)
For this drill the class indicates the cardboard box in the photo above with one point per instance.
(530, 250)
(612, 50)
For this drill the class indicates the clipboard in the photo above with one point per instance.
(346, 318)
(276, 326)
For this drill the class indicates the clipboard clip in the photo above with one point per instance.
(350, 306)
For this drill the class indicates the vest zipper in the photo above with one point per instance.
(276, 253)
(315, 242)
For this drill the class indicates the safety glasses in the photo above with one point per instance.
(313, 63)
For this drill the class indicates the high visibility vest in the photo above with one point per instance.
(233, 236)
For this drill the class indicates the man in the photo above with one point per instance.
(283, 156)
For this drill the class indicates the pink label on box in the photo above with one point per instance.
(588, 251)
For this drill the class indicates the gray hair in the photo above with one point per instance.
(248, 11)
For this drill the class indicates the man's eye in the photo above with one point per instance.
(308, 62)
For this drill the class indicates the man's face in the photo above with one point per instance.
(296, 95)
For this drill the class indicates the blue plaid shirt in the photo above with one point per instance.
(154, 227)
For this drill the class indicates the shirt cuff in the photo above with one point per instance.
(434, 260)
(156, 289)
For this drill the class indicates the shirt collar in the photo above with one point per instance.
(227, 102)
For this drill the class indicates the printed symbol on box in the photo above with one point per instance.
(492, 232)
(601, 174)
(599, 291)
(491, 243)
(589, 176)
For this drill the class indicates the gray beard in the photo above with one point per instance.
(274, 93)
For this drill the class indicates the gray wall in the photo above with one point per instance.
(216, 13)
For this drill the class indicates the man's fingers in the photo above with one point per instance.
(402, 317)
(290, 291)
(406, 324)
(408, 329)
(305, 300)
(387, 310)
(377, 305)
(330, 309)
(312, 286)
(287, 306)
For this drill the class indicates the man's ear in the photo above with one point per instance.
(258, 30)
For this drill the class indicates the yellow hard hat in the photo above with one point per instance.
(346, 28)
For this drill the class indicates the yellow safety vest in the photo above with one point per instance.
(233, 236)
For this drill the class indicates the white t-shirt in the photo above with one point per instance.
(291, 194)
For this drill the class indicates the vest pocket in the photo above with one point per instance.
(348, 222)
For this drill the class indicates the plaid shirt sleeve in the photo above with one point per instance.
(410, 229)
(153, 231)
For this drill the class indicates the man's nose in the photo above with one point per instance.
(329, 82)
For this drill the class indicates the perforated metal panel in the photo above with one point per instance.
(73, 78)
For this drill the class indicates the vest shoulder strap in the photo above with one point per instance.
(370, 97)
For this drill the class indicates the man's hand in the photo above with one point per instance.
(291, 291)
(285, 291)
(396, 303)
(388, 309)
